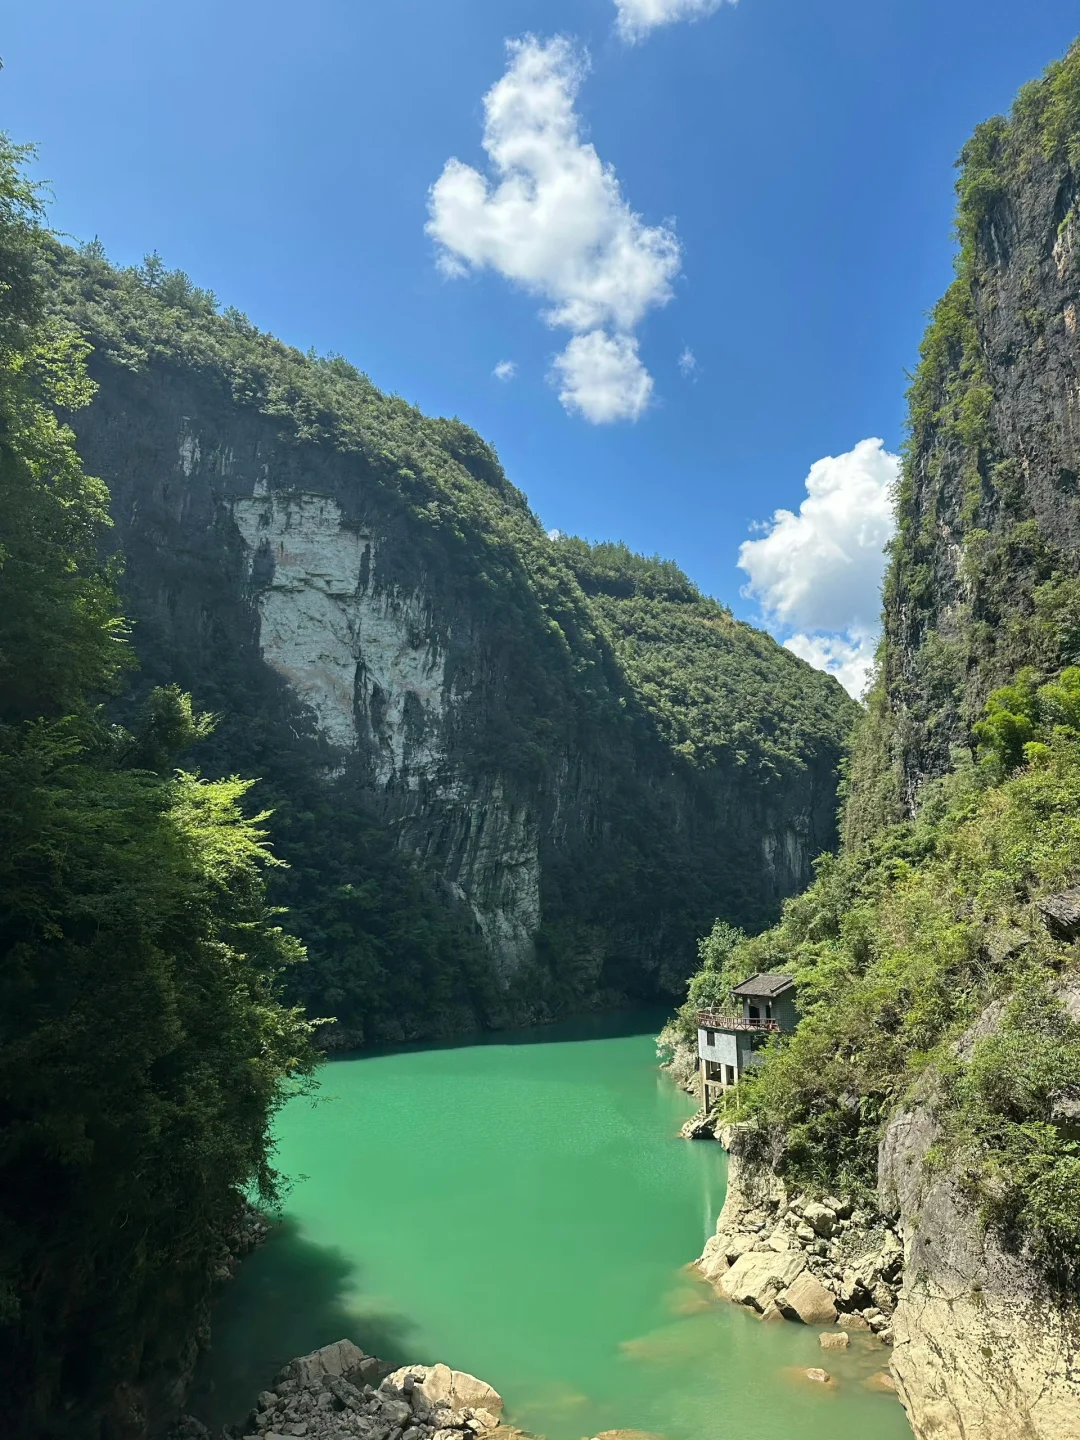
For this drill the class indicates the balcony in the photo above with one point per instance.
(714, 1020)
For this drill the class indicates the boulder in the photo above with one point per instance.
(437, 1384)
(342, 1358)
(758, 1276)
(820, 1218)
(834, 1340)
(735, 1245)
(806, 1299)
(822, 1377)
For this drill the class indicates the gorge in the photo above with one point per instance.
(493, 777)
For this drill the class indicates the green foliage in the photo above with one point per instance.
(901, 944)
(1016, 713)
(143, 1046)
(723, 957)
(1018, 1156)
(717, 690)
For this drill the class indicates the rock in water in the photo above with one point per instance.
(834, 1340)
(757, 1277)
(438, 1384)
(806, 1299)
(819, 1376)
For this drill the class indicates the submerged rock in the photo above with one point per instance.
(834, 1340)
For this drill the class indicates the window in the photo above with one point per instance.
(729, 1074)
(754, 1011)
(768, 1009)
(710, 1037)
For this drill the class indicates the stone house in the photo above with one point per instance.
(729, 1044)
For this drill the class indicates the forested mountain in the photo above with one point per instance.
(143, 1046)
(512, 775)
(936, 1071)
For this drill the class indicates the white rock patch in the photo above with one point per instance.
(339, 644)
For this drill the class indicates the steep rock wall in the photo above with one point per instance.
(984, 573)
(395, 646)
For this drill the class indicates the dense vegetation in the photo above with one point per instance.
(923, 925)
(899, 946)
(142, 1044)
(671, 707)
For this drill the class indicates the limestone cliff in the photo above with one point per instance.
(985, 565)
(494, 803)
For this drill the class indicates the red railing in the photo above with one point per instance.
(713, 1020)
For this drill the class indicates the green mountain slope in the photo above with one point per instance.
(511, 775)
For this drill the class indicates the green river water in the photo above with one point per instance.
(521, 1208)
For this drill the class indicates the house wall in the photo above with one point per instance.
(722, 1051)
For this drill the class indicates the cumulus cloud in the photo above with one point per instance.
(638, 17)
(601, 377)
(552, 218)
(505, 370)
(818, 573)
(850, 657)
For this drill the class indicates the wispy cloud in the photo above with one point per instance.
(637, 18)
(687, 363)
(818, 573)
(552, 218)
(505, 370)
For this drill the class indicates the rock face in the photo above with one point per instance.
(983, 578)
(979, 1349)
(766, 1254)
(395, 646)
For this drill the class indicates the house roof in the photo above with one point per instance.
(764, 987)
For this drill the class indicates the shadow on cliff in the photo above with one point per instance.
(290, 1297)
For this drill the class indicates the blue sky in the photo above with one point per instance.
(778, 203)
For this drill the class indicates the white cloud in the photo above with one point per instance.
(551, 217)
(819, 572)
(687, 363)
(850, 657)
(505, 370)
(638, 17)
(601, 377)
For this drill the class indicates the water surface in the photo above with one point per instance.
(522, 1209)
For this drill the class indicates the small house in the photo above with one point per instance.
(729, 1044)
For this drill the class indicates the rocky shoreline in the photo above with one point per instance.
(824, 1262)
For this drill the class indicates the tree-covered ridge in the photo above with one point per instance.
(984, 570)
(143, 1043)
(717, 689)
(451, 487)
(586, 661)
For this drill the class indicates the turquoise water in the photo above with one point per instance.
(522, 1209)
